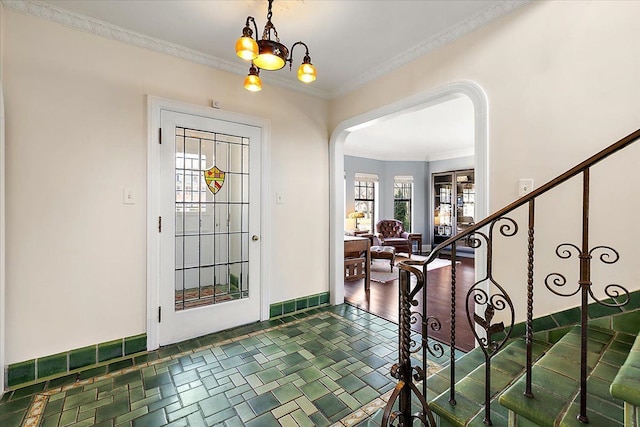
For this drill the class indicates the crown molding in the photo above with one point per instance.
(449, 35)
(105, 29)
(453, 154)
(410, 157)
(110, 31)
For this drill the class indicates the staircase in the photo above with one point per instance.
(588, 373)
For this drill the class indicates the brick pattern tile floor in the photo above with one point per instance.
(324, 367)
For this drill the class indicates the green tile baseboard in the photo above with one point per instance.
(93, 357)
(285, 308)
(621, 319)
(22, 373)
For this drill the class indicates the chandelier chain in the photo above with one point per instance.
(269, 26)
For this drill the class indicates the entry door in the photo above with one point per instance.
(209, 225)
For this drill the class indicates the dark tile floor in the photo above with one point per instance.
(323, 367)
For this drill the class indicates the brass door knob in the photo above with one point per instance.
(255, 238)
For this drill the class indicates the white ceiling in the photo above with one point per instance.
(350, 42)
(438, 132)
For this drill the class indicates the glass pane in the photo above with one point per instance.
(207, 219)
(230, 139)
(245, 188)
(191, 248)
(197, 134)
(207, 243)
(244, 283)
(179, 252)
(179, 222)
(245, 246)
(235, 247)
(235, 218)
(221, 254)
(212, 238)
(235, 187)
(222, 156)
(191, 223)
(222, 196)
(235, 158)
(245, 217)
(179, 281)
(245, 159)
(221, 280)
(179, 291)
(206, 281)
(191, 283)
(221, 218)
(235, 274)
(206, 154)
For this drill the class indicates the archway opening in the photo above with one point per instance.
(336, 156)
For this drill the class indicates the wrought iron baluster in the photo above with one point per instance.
(452, 358)
(493, 300)
(585, 284)
(556, 281)
(529, 337)
(406, 374)
(425, 332)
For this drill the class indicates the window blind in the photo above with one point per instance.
(366, 177)
(403, 178)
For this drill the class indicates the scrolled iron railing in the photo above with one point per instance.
(398, 410)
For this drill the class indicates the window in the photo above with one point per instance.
(402, 194)
(365, 199)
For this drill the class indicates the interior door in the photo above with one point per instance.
(209, 225)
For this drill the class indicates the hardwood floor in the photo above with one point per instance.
(382, 300)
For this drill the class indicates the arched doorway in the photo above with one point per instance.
(336, 157)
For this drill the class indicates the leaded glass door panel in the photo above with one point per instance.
(210, 203)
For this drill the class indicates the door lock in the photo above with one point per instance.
(255, 238)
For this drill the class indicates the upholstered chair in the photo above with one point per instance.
(390, 232)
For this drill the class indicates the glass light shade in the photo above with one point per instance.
(307, 72)
(272, 55)
(252, 83)
(247, 48)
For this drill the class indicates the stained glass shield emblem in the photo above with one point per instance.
(214, 178)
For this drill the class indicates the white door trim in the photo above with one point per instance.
(154, 106)
(3, 235)
(336, 171)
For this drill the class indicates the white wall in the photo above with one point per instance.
(560, 77)
(562, 83)
(76, 137)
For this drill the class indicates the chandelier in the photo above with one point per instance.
(271, 55)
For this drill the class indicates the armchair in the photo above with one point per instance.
(390, 232)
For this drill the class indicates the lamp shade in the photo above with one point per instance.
(253, 83)
(307, 72)
(247, 48)
(271, 56)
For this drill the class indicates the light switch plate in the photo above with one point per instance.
(128, 197)
(525, 186)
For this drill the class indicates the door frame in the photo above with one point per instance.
(3, 234)
(471, 90)
(154, 106)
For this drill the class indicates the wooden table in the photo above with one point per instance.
(356, 253)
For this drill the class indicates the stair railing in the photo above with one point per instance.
(398, 410)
